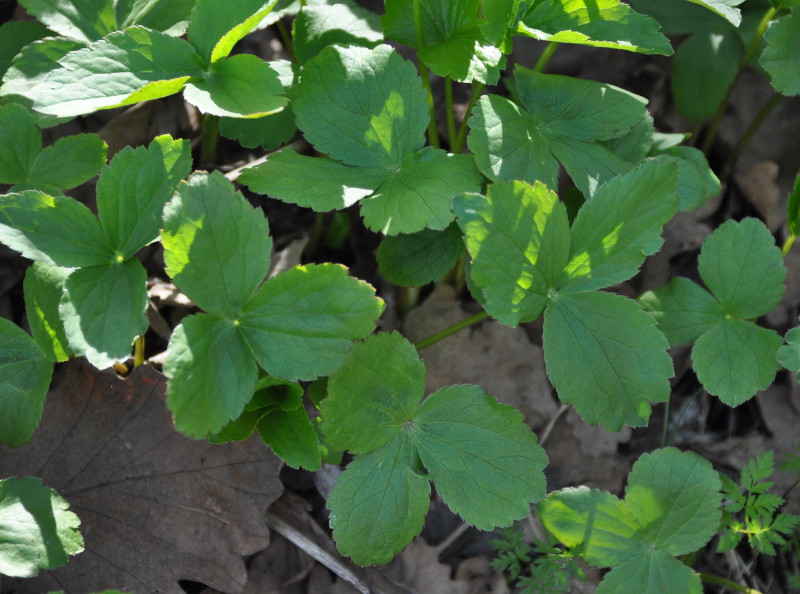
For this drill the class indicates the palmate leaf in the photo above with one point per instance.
(671, 508)
(37, 530)
(781, 57)
(743, 268)
(484, 461)
(69, 162)
(25, 374)
(525, 260)
(297, 325)
(452, 43)
(365, 108)
(599, 23)
(563, 118)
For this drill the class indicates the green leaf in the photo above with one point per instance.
(301, 322)
(43, 286)
(704, 66)
(268, 132)
(168, 16)
(71, 161)
(103, 309)
(82, 20)
(20, 143)
(452, 43)
(25, 374)
(622, 357)
(736, 359)
(781, 57)
(485, 462)
(60, 231)
(671, 507)
(124, 68)
(616, 230)
(743, 267)
(314, 182)
(364, 107)
(133, 189)
(598, 23)
(518, 237)
(373, 395)
(15, 35)
(696, 180)
(211, 374)
(420, 258)
(789, 354)
(563, 117)
(37, 530)
(684, 310)
(290, 434)
(637, 143)
(379, 503)
(793, 208)
(216, 246)
(341, 23)
(216, 25)
(241, 86)
(30, 67)
(724, 8)
(420, 194)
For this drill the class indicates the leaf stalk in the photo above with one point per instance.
(450, 330)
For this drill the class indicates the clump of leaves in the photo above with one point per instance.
(751, 509)
(537, 567)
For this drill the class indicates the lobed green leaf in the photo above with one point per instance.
(133, 189)
(340, 23)
(43, 287)
(20, 144)
(615, 231)
(59, 231)
(419, 258)
(15, 35)
(485, 462)
(743, 267)
(241, 86)
(125, 67)
(25, 373)
(69, 162)
(301, 322)
(781, 57)
(216, 25)
(216, 246)
(621, 354)
(103, 310)
(211, 372)
(789, 354)
(37, 530)
(362, 106)
(518, 238)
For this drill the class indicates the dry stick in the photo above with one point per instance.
(552, 423)
(307, 545)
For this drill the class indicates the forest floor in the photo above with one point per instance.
(451, 557)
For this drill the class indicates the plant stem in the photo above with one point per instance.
(545, 57)
(749, 133)
(450, 330)
(458, 145)
(407, 298)
(316, 235)
(451, 117)
(788, 245)
(721, 581)
(209, 139)
(138, 351)
(748, 55)
(286, 39)
(433, 130)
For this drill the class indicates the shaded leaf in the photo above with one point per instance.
(20, 143)
(37, 530)
(169, 16)
(419, 258)
(340, 23)
(43, 287)
(71, 161)
(24, 378)
(82, 20)
(216, 25)
(155, 507)
(103, 310)
(781, 57)
(15, 35)
(622, 357)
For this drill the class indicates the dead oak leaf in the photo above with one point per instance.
(155, 506)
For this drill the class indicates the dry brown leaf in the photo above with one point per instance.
(155, 506)
(760, 188)
(417, 569)
(497, 358)
(596, 441)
